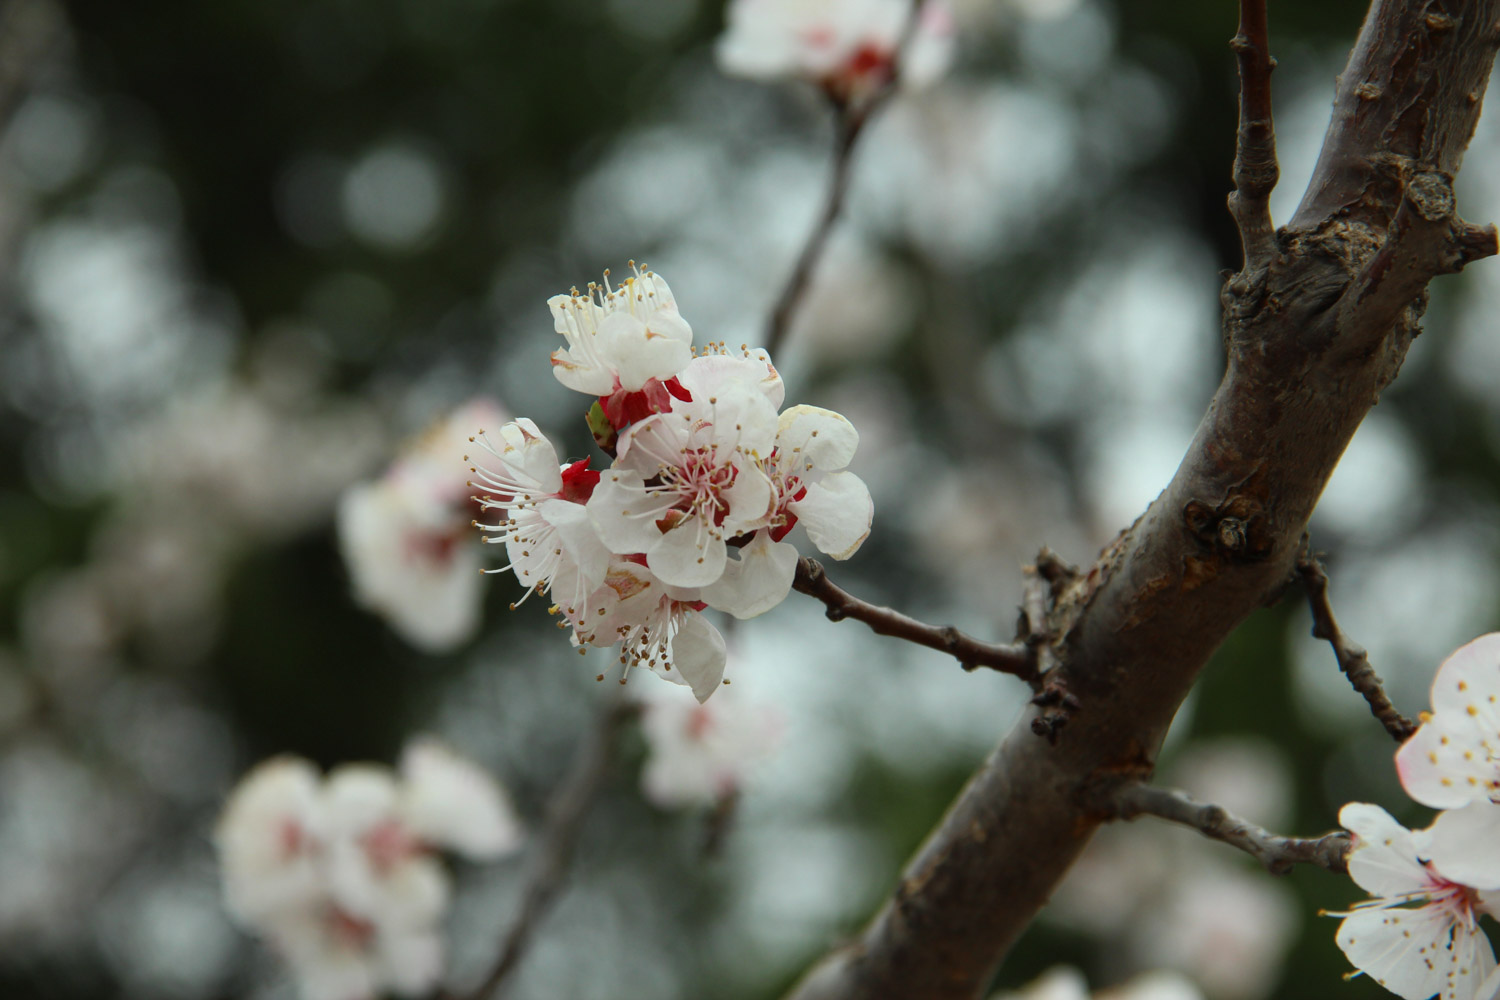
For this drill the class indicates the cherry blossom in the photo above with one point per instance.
(625, 344)
(334, 955)
(848, 47)
(685, 482)
(657, 627)
(1454, 757)
(405, 538)
(699, 754)
(1420, 935)
(807, 469)
(547, 532)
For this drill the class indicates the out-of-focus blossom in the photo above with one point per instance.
(269, 837)
(1454, 757)
(1226, 927)
(1420, 935)
(1063, 983)
(341, 874)
(406, 541)
(849, 47)
(700, 754)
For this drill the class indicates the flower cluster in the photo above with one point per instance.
(849, 47)
(707, 479)
(1420, 935)
(340, 873)
(406, 541)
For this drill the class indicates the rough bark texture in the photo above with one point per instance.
(1313, 334)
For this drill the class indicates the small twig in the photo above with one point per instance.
(1255, 167)
(852, 118)
(1353, 660)
(1277, 853)
(1014, 658)
(555, 842)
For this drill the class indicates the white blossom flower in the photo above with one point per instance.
(269, 840)
(405, 538)
(846, 46)
(625, 344)
(685, 482)
(1420, 935)
(699, 754)
(1453, 759)
(807, 469)
(548, 535)
(658, 627)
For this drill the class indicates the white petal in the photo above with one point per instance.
(580, 539)
(638, 354)
(756, 581)
(742, 419)
(452, 802)
(813, 435)
(699, 655)
(529, 454)
(581, 375)
(1406, 951)
(711, 374)
(750, 497)
(1470, 676)
(836, 513)
(1464, 845)
(1448, 763)
(268, 840)
(1384, 859)
(625, 514)
(689, 555)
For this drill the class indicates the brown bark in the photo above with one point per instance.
(1313, 333)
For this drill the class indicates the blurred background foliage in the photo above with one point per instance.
(246, 248)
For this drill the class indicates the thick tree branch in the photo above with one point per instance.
(853, 116)
(1255, 167)
(1137, 628)
(1277, 853)
(555, 843)
(1015, 658)
(1353, 660)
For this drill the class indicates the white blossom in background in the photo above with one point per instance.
(846, 46)
(705, 479)
(342, 875)
(700, 754)
(1064, 983)
(1420, 935)
(406, 540)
